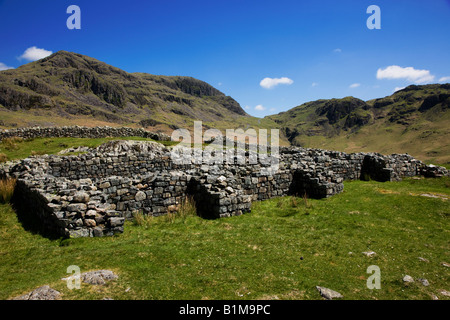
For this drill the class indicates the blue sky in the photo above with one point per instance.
(321, 49)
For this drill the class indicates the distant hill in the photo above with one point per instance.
(68, 87)
(415, 120)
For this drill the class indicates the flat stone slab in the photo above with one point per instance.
(328, 293)
(41, 293)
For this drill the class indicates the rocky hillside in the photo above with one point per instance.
(67, 86)
(414, 120)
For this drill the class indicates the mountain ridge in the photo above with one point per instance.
(73, 84)
(68, 88)
(414, 115)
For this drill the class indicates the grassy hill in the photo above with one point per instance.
(415, 120)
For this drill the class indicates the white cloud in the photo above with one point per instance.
(260, 107)
(272, 109)
(247, 108)
(398, 89)
(4, 67)
(34, 53)
(314, 84)
(337, 50)
(408, 73)
(269, 83)
(354, 85)
(444, 79)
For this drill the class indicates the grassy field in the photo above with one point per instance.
(281, 250)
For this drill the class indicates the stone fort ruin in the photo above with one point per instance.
(92, 194)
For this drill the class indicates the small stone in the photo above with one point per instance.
(98, 232)
(91, 214)
(369, 253)
(76, 207)
(423, 259)
(408, 279)
(424, 282)
(229, 190)
(328, 293)
(104, 185)
(445, 293)
(140, 196)
(116, 221)
(445, 264)
(90, 223)
(81, 197)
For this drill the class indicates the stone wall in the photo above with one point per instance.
(81, 132)
(92, 194)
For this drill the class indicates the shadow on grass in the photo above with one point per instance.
(30, 220)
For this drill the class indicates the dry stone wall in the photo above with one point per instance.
(92, 194)
(81, 132)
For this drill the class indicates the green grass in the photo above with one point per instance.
(39, 146)
(281, 250)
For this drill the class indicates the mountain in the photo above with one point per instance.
(415, 120)
(72, 89)
(68, 87)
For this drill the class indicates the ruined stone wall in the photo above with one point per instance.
(92, 194)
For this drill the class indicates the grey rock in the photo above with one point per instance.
(82, 197)
(408, 279)
(76, 207)
(41, 293)
(140, 196)
(116, 221)
(445, 293)
(98, 277)
(424, 282)
(90, 223)
(328, 293)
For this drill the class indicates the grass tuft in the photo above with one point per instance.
(181, 212)
(11, 143)
(143, 220)
(178, 213)
(6, 189)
